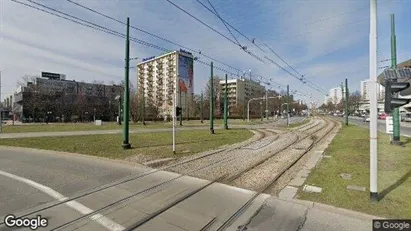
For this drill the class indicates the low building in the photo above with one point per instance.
(64, 100)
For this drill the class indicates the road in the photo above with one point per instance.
(405, 127)
(280, 122)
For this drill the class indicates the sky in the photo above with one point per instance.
(326, 41)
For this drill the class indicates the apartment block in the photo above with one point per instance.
(159, 78)
(241, 90)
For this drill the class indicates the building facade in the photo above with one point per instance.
(159, 78)
(241, 90)
(63, 100)
(365, 90)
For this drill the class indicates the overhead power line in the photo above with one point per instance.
(218, 15)
(211, 28)
(154, 35)
(108, 31)
(253, 41)
(227, 23)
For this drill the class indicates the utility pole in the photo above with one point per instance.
(181, 105)
(225, 104)
(126, 144)
(266, 104)
(261, 108)
(373, 102)
(396, 113)
(211, 100)
(346, 101)
(143, 106)
(288, 105)
(201, 108)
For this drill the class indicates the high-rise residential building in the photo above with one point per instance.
(365, 90)
(335, 95)
(157, 80)
(241, 90)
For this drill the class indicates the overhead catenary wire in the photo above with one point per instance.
(218, 15)
(154, 35)
(258, 58)
(109, 31)
(211, 28)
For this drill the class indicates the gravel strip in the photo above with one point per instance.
(258, 177)
(244, 158)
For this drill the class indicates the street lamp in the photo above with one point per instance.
(94, 115)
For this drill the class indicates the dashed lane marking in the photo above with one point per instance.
(100, 219)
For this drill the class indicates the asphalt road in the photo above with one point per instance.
(66, 174)
(405, 128)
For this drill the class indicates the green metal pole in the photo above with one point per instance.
(244, 109)
(288, 105)
(225, 104)
(181, 106)
(396, 112)
(201, 108)
(187, 105)
(143, 107)
(211, 100)
(119, 111)
(346, 102)
(126, 144)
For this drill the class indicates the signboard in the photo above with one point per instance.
(145, 59)
(50, 75)
(389, 125)
(185, 72)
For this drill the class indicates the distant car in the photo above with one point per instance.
(383, 116)
(407, 117)
(366, 119)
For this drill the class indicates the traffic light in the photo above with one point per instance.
(178, 111)
(390, 89)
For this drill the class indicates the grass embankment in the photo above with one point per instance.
(350, 154)
(159, 144)
(63, 127)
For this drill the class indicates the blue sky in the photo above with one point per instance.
(325, 40)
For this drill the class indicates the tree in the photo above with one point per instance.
(354, 101)
(216, 89)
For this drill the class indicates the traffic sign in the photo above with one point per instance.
(389, 125)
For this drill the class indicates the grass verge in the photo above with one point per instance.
(350, 154)
(159, 144)
(62, 127)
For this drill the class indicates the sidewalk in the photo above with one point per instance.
(292, 215)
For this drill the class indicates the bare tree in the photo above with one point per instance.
(216, 92)
(354, 101)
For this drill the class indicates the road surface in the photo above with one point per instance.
(405, 127)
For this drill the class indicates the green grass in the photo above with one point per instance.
(350, 154)
(159, 144)
(110, 126)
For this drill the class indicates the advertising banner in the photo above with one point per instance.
(185, 71)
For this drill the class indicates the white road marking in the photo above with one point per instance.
(103, 221)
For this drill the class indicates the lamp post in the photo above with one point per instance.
(94, 115)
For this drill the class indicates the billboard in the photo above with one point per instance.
(185, 72)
